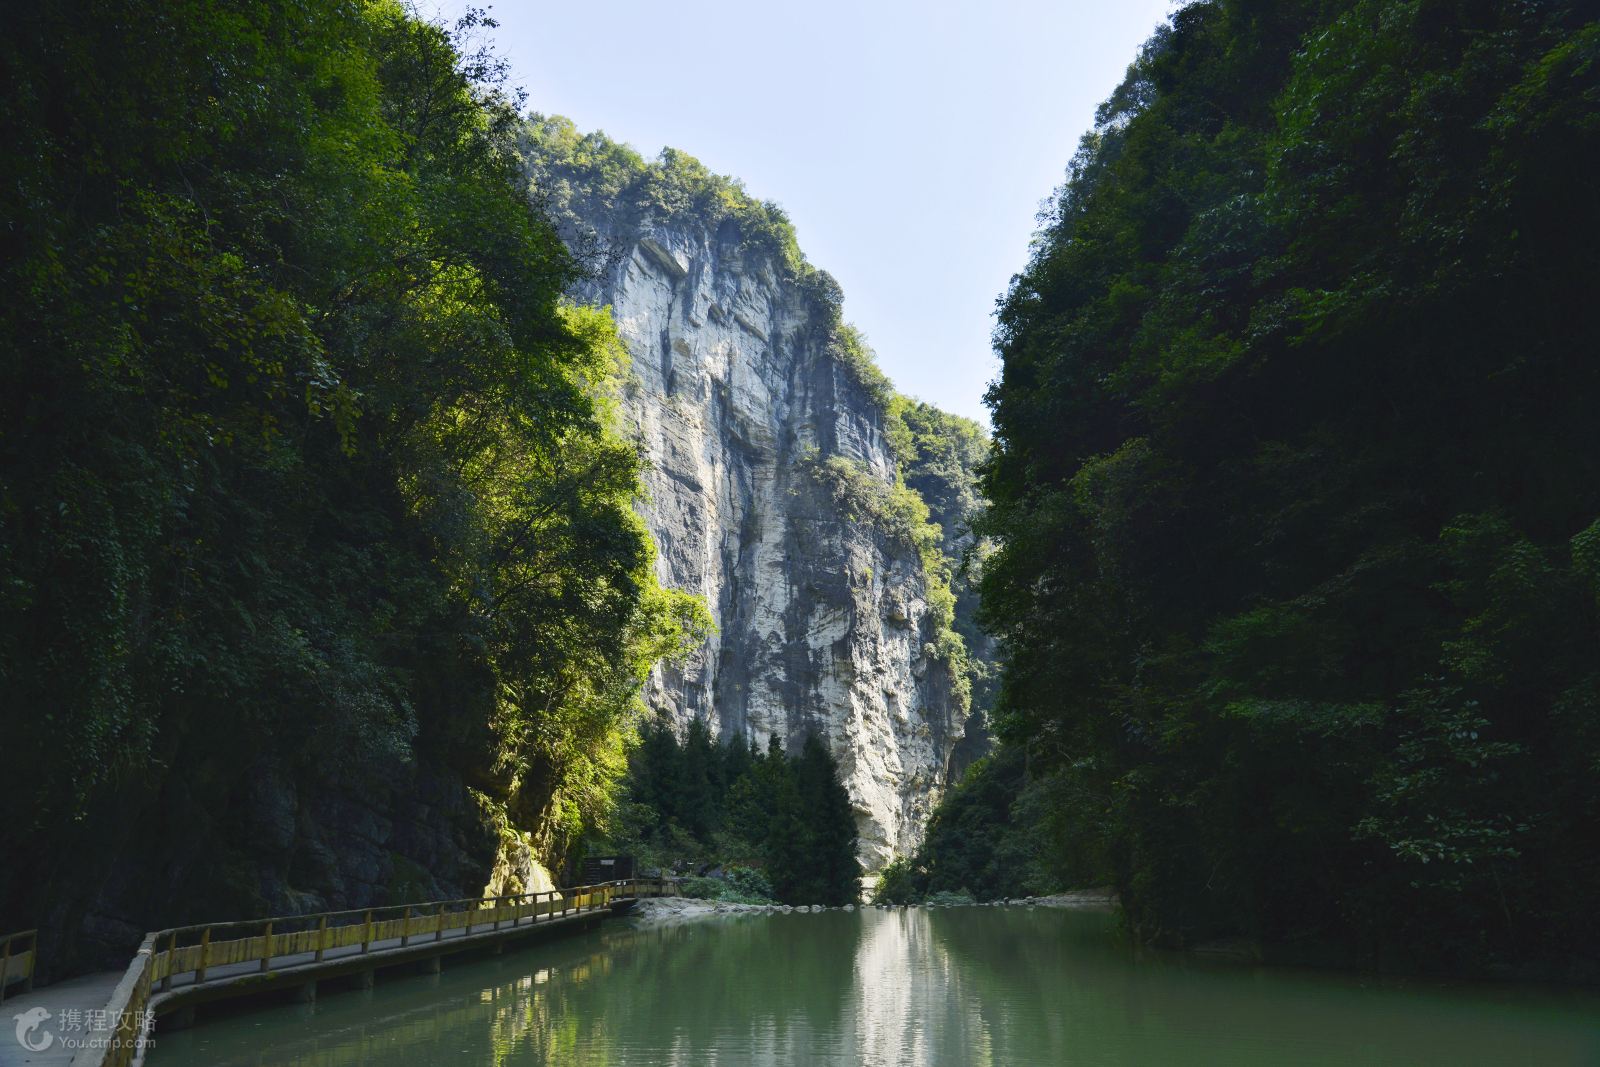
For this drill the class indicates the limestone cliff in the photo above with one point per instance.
(774, 485)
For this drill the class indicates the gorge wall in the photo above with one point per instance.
(775, 489)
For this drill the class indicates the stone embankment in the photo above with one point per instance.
(1088, 899)
(666, 910)
(663, 910)
(1085, 899)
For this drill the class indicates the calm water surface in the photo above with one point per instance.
(956, 986)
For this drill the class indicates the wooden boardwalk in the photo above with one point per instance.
(103, 1020)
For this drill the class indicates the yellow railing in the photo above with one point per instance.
(194, 950)
(16, 962)
(126, 1009)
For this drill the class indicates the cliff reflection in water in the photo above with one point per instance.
(980, 986)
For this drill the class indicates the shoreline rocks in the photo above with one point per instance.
(656, 911)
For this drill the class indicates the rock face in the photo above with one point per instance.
(739, 395)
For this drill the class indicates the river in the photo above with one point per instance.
(981, 986)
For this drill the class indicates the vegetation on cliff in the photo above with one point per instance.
(1295, 486)
(578, 176)
(585, 176)
(305, 469)
(588, 175)
(940, 456)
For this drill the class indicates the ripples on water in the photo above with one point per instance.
(980, 986)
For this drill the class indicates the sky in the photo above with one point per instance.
(911, 144)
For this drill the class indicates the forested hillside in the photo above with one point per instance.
(770, 825)
(1296, 486)
(319, 576)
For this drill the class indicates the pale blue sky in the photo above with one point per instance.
(911, 143)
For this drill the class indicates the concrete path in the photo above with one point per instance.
(65, 1007)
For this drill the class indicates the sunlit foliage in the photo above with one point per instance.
(306, 469)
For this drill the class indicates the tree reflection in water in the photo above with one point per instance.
(978, 986)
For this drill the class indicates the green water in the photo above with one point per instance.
(956, 986)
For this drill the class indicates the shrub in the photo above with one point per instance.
(948, 899)
(741, 885)
(897, 884)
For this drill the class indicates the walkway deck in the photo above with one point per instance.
(83, 994)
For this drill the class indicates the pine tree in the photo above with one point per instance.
(784, 845)
(832, 873)
(748, 812)
(699, 803)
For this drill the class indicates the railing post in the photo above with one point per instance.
(366, 932)
(5, 965)
(133, 1021)
(266, 949)
(322, 937)
(438, 933)
(405, 927)
(205, 951)
(166, 979)
(497, 901)
(468, 930)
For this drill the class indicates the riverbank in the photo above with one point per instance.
(666, 910)
(660, 911)
(1085, 899)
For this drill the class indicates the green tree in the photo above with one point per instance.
(701, 803)
(308, 481)
(830, 873)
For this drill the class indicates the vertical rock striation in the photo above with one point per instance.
(747, 405)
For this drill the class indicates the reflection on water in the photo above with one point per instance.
(982, 986)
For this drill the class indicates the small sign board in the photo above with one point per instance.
(597, 869)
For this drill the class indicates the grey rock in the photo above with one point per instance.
(823, 620)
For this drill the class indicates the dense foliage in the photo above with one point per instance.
(1297, 477)
(305, 467)
(783, 825)
(997, 833)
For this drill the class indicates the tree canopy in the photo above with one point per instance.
(695, 803)
(306, 466)
(1295, 484)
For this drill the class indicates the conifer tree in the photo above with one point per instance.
(832, 874)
